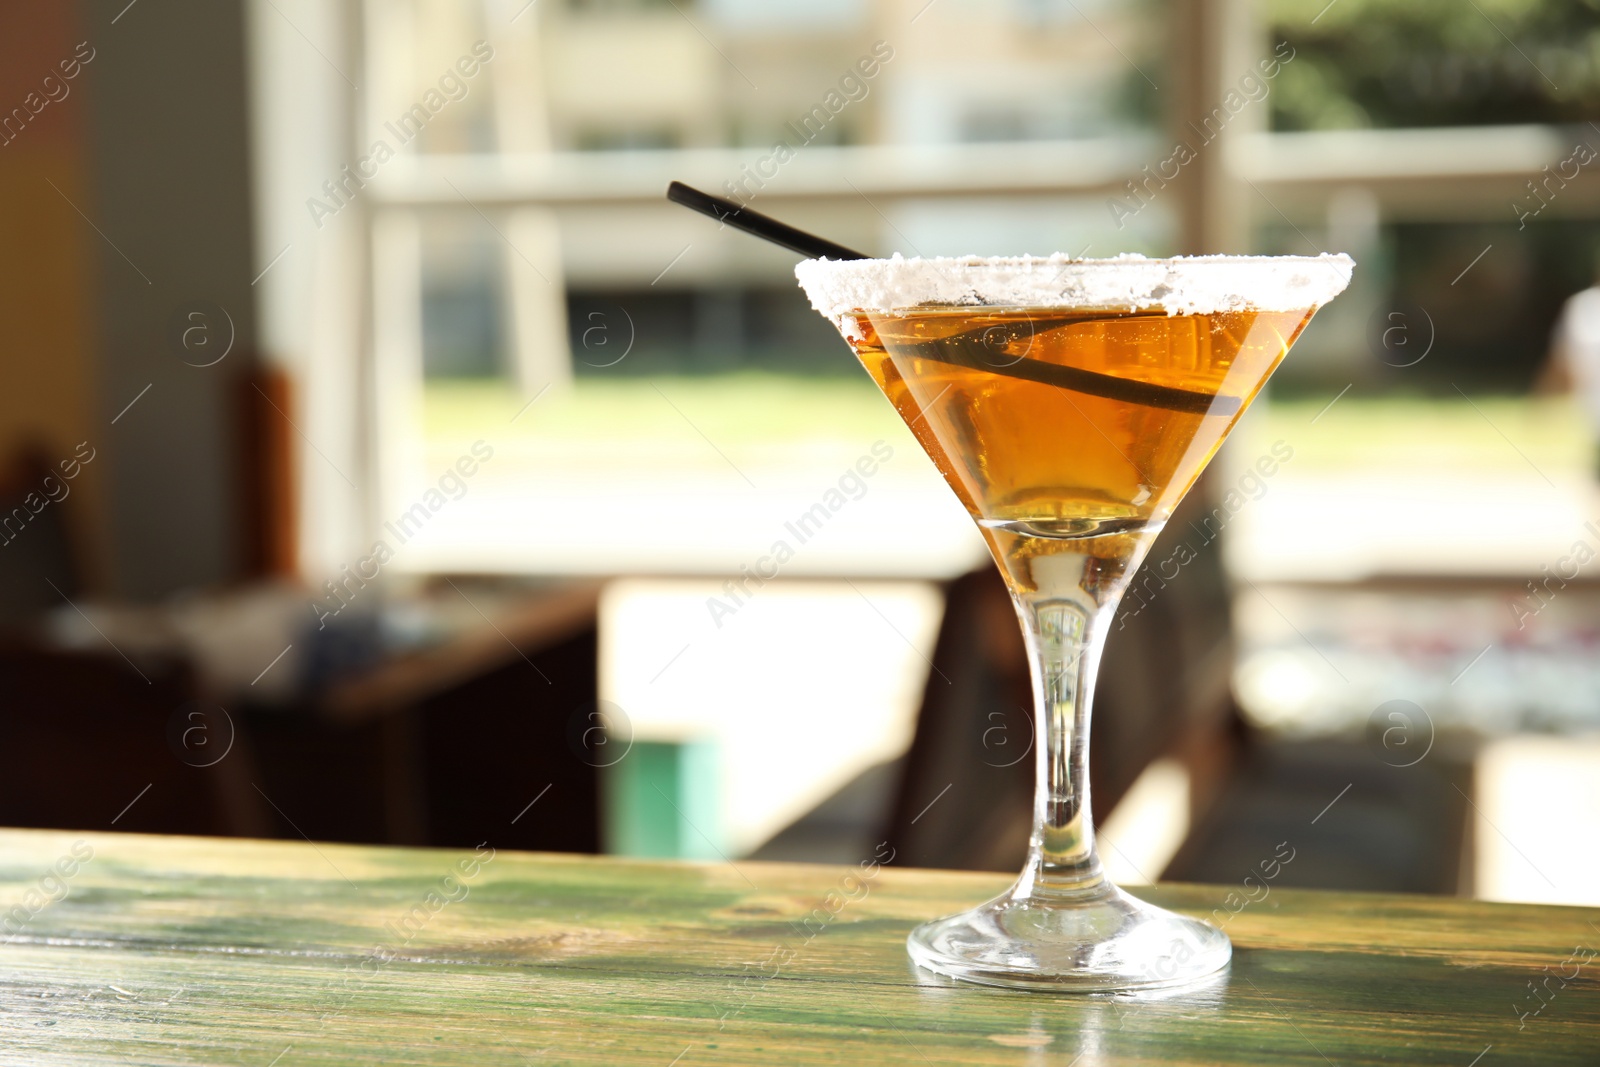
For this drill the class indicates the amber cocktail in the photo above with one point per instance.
(1070, 404)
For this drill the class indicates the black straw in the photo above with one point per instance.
(974, 348)
(763, 226)
(983, 349)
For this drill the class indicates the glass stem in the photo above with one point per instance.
(1065, 628)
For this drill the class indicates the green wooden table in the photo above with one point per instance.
(149, 950)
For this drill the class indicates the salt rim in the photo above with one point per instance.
(1186, 285)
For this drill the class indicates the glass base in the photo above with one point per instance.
(1099, 940)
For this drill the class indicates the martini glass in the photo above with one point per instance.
(1070, 404)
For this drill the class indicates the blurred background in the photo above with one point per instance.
(385, 460)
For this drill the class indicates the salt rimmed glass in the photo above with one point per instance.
(1070, 404)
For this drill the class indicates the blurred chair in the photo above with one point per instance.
(1352, 821)
(84, 733)
(965, 798)
(92, 743)
(965, 794)
(39, 562)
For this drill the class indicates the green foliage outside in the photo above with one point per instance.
(1402, 63)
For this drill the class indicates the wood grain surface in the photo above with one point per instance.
(124, 949)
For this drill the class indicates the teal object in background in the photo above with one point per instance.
(662, 801)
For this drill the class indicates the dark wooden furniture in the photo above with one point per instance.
(422, 746)
(428, 746)
(90, 738)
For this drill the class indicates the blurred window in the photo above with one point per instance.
(530, 288)
(655, 396)
(635, 367)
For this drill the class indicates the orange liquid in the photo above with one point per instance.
(1048, 468)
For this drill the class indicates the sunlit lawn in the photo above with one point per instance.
(735, 410)
(1445, 434)
(757, 410)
